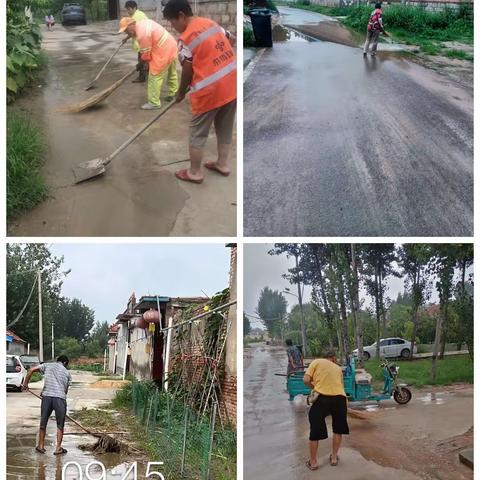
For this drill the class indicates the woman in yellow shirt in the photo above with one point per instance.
(325, 377)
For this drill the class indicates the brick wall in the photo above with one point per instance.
(229, 390)
(223, 12)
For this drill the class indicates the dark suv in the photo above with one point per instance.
(73, 14)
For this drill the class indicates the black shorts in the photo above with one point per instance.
(53, 404)
(336, 406)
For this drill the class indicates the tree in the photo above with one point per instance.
(23, 263)
(73, 319)
(246, 325)
(377, 265)
(414, 259)
(294, 276)
(272, 309)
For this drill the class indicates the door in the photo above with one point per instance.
(384, 345)
(113, 9)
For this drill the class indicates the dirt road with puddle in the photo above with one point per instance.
(138, 195)
(416, 441)
(23, 416)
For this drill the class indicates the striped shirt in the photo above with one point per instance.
(57, 379)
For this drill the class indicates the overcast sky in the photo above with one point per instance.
(103, 276)
(262, 270)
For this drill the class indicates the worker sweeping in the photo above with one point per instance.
(142, 66)
(325, 378)
(374, 28)
(295, 358)
(209, 72)
(57, 380)
(159, 49)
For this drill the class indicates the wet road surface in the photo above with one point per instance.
(397, 442)
(339, 145)
(23, 414)
(138, 195)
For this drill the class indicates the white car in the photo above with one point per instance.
(389, 348)
(16, 372)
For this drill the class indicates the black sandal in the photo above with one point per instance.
(61, 452)
(309, 466)
(40, 450)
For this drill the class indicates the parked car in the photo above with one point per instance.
(16, 372)
(73, 14)
(29, 361)
(389, 348)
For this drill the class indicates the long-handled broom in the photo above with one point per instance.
(99, 74)
(105, 443)
(97, 98)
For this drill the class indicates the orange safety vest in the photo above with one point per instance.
(157, 46)
(214, 82)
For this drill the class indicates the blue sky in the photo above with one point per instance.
(103, 276)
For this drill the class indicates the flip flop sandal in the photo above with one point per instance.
(61, 452)
(309, 466)
(334, 464)
(213, 166)
(183, 175)
(40, 450)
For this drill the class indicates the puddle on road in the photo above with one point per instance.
(284, 34)
(24, 463)
(433, 398)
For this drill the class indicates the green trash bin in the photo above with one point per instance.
(262, 26)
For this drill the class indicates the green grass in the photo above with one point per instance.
(453, 369)
(92, 367)
(460, 54)
(36, 377)
(25, 155)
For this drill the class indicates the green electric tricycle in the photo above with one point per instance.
(358, 384)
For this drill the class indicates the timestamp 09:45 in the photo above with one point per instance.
(96, 471)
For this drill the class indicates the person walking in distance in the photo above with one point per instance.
(374, 28)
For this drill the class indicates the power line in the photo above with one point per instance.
(19, 316)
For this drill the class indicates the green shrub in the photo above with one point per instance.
(248, 37)
(23, 53)
(25, 154)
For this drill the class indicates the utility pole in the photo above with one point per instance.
(40, 318)
(304, 333)
(53, 340)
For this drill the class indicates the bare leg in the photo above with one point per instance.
(41, 438)
(336, 442)
(196, 155)
(59, 439)
(223, 162)
(313, 452)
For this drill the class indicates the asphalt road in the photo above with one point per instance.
(420, 440)
(339, 145)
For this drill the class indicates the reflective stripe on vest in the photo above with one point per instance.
(214, 77)
(163, 39)
(203, 36)
(148, 32)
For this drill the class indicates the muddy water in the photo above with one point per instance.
(276, 431)
(24, 463)
(138, 195)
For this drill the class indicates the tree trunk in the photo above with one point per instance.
(438, 333)
(304, 333)
(343, 317)
(382, 306)
(356, 309)
(377, 313)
